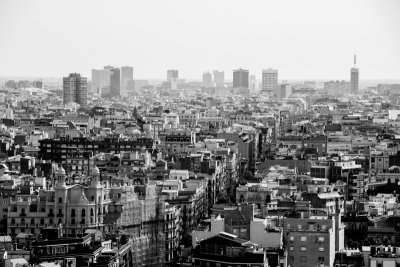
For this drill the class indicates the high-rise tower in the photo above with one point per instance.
(354, 76)
(219, 78)
(126, 76)
(115, 82)
(172, 75)
(207, 79)
(241, 78)
(75, 89)
(269, 80)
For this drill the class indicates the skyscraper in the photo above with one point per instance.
(354, 76)
(96, 81)
(241, 78)
(252, 83)
(207, 80)
(101, 81)
(172, 74)
(115, 82)
(219, 78)
(75, 89)
(126, 76)
(269, 80)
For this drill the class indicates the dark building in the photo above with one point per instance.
(240, 78)
(115, 82)
(57, 150)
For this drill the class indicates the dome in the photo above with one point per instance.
(61, 171)
(95, 170)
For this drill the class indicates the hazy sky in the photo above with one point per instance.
(303, 39)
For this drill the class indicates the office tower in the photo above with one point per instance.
(241, 78)
(219, 78)
(252, 83)
(115, 82)
(207, 80)
(354, 77)
(126, 75)
(101, 81)
(74, 89)
(172, 75)
(96, 81)
(269, 80)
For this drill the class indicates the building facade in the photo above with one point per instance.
(75, 89)
(269, 80)
(241, 78)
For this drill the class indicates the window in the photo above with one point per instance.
(60, 200)
(321, 259)
(304, 238)
(291, 248)
(321, 249)
(291, 239)
(73, 213)
(83, 212)
(291, 258)
(303, 258)
(303, 248)
(299, 226)
(321, 239)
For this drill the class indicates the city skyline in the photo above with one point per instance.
(302, 39)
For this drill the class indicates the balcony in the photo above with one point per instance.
(60, 215)
(22, 214)
(50, 215)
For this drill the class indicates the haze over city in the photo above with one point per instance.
(303, 39)
(217, 133)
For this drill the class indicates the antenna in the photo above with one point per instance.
(355, 59)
